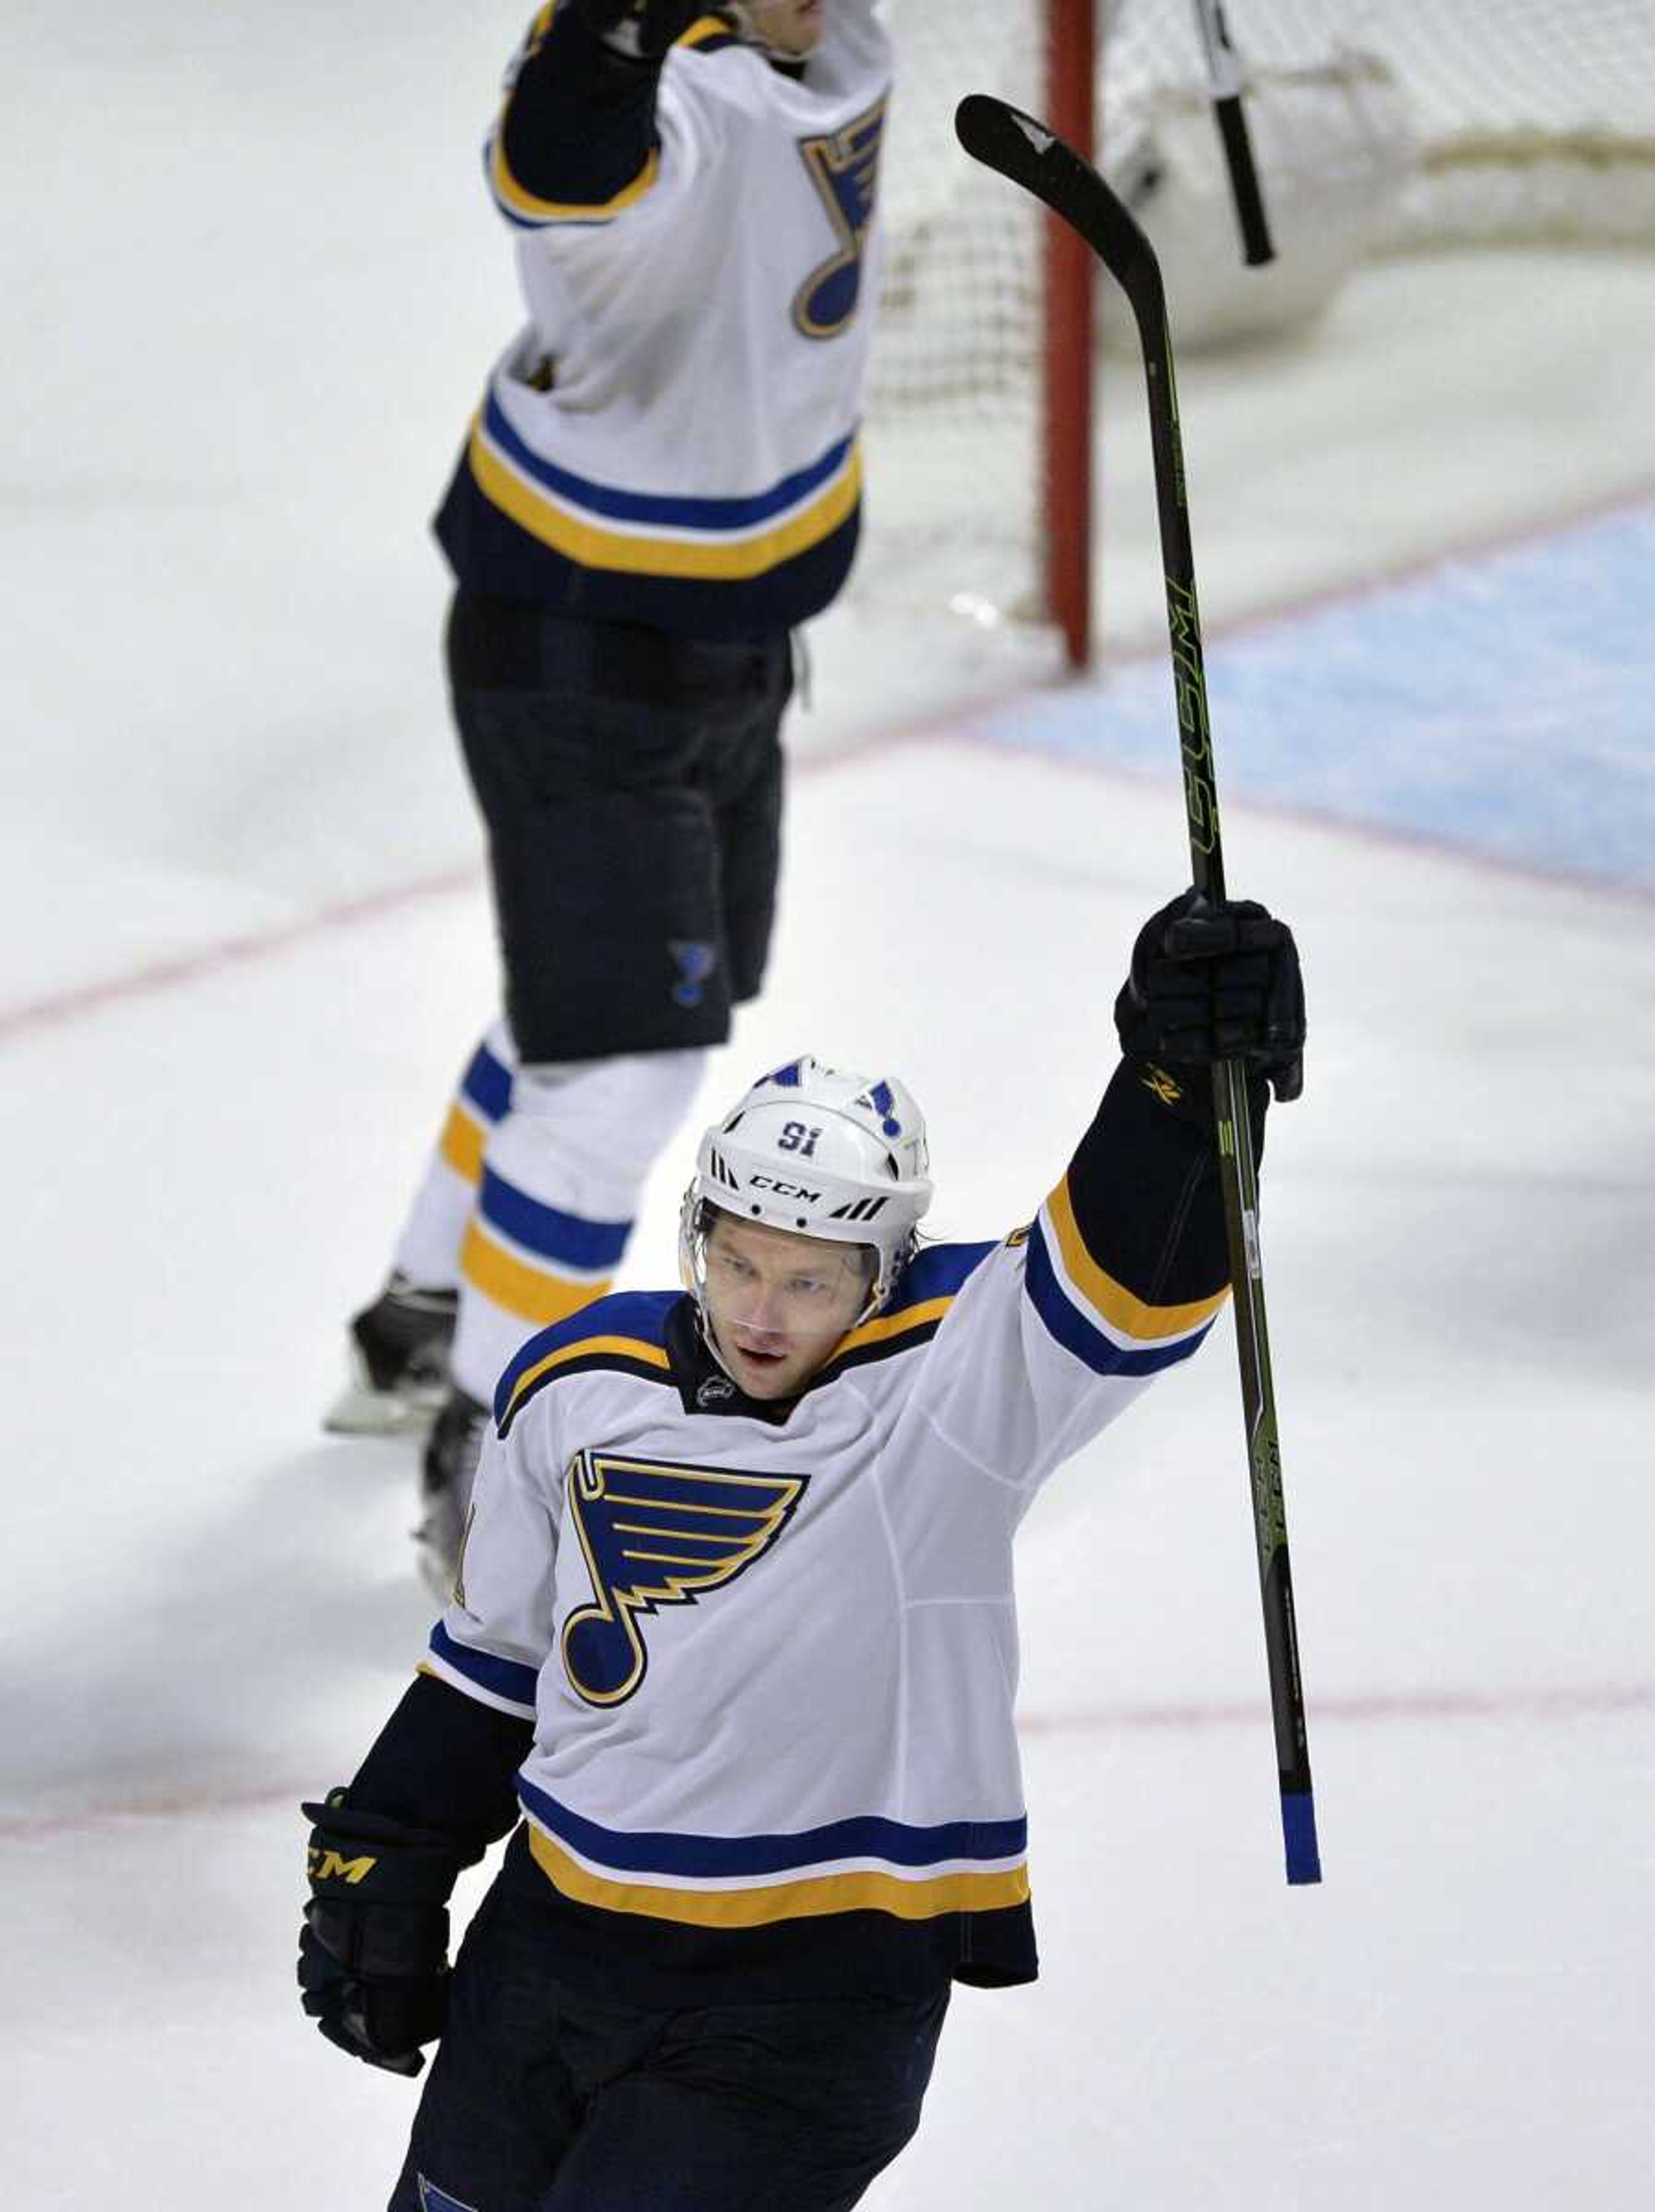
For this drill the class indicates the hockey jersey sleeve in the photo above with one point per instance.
(1118, 1278)
(494, 1637)
(447, 1758)
(576, 141)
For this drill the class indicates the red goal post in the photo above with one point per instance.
(981, 392)
(1380, 127)
(1067, 375)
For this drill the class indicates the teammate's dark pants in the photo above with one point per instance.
(631, 783)
(542, 2099)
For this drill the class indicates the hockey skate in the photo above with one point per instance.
(399, 1362)
(450, 1469)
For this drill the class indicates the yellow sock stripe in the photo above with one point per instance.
(533, 1294)
(1121, 1308)
(463, 1141)
(808, 1900)
(593, 547)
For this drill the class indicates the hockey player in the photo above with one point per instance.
(733, 1641)
(663, 481)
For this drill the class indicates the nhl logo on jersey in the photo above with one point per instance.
(655, 1532)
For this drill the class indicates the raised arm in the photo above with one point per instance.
(1125, 1267)
(576, 139)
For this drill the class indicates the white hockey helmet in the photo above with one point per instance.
(821, 1152)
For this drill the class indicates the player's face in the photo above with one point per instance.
(777, 1303)
(788, 26)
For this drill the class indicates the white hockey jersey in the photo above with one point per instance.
(771, 1654)
(673, 437)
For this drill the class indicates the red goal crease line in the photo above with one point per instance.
(1587, 1702)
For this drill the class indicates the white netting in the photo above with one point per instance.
(1535, 118)
(1380, 125)
(953, 400)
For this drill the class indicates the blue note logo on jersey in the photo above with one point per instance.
(432, 2199)
(653, 1533)
(845, 169)
(697, 961)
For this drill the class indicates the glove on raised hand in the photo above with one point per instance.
(644, 29)
(1216, 980)
(374, 1949)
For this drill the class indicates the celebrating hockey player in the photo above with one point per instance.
(732, 1641)
(662, 483)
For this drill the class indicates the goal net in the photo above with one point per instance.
(1380, 126)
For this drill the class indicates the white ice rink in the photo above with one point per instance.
(245, 947)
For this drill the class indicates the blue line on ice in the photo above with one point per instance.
(1501, 703)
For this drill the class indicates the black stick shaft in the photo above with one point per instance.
(1028, 154)
(1224, 74)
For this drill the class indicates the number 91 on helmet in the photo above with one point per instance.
(800, 1218)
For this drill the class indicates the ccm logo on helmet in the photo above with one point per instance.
(784, 1189)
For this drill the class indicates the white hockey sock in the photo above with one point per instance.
(561, 1177)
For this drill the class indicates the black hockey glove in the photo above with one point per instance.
(1215, 982)
(644, 29)
(373, 1950)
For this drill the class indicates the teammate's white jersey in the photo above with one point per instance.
(658, 1573)
(672, 438)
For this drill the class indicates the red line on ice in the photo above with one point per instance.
(1586, 1701)
(960, 725)
(214, 959)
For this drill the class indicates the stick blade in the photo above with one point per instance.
(1029, 153)
(1001, 137)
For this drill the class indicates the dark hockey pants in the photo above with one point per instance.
(632, 786)
(542, 2099)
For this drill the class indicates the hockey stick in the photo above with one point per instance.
(1031, 155)
(1224, 74)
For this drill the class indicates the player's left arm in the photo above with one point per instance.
(1126, 1266)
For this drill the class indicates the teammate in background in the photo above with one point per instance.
(737, 1601)
(662, 483)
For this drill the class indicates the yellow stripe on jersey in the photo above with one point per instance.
(518, 200)
(808, 1900)
(591, 545)
(533, 1294)
(704, 27)
(896, 1324)
(1121, 1308)
(588, 1347)
(462, 1144)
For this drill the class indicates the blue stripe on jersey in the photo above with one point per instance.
(490, 552)
(641, 1315)
(709, 1856)
(503, 1678)
(486, 1084)
(936, 1271)
(1065, 1321)
(549, 1233)
(660, 506)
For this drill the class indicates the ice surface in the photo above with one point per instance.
(247, 946)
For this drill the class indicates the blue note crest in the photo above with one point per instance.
(654, 1533)
(843, 167)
